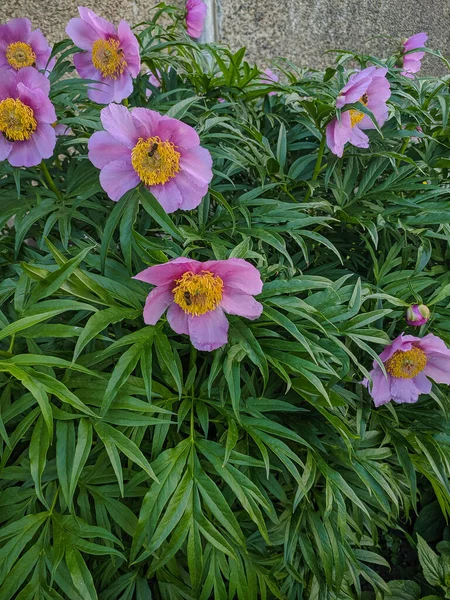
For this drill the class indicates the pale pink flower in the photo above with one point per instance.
(198, 294)
(21, 47)
(412, 62)
(409, 362)
(195, 17)
(111, 56)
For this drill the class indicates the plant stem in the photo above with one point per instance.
(125, 102)
(317, 167)
(49, 180)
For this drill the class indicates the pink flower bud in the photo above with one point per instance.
(417, 315)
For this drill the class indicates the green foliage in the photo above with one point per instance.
(133, 466)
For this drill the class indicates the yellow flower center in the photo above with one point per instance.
(406, 365)
(357, 116)
(19, 55)
(155, 161)
(17, 122)
(198, 294)
(108, 58)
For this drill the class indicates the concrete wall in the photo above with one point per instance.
(300, 30)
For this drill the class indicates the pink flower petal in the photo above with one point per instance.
(16, 30)
(236, 302)
(167, 273)
(84, 66)
(82, 34)
(130, 48)
(380, 392)
(415, 41)
(209, 331)
(404, 390)
(117, 120)
(104, 28)
(195, 17)
(197, 163)
(40, 47)
(43, 109)
(5, 147)
(178, 319)
(25, 154)
(422, 383)
(45, 139)
(191, 190)
(117, 177)
(147, 121)
(402, 342)
(157, 302)
(180, 134)
(168, 195)
(338, 134)
(432, 343)
(119, 89)
(236, 273)
(438, 368)
(103, 148)
(32, 79)
(359, 138)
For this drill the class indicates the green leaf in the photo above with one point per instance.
(156, 211)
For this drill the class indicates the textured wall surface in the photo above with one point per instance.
(301, 30)
(52, 16)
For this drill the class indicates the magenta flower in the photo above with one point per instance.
(26, 117)
(195, 17)
(417, 315)
(143, 146)
(20, 47)
(198, 294)
(409, 361)
(372, 89)
(110, 56)
(411, 63)
(270, 77)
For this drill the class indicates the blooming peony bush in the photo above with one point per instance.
(225, 319)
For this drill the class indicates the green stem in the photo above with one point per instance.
(402, 149)
(49, 180)
(125, 102)
(317, 167)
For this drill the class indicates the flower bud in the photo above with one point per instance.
(417, 315)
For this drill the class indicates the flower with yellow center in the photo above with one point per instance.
(408, 364)
(357, 116)
(17, 121)
(155, 162)
(19, 55)
(107, 57)
(198, 294)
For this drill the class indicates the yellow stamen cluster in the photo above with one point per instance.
(357, 116)
(107, 57)
(20, 54)
(17, 122)
(406, 365)
(198, 294)
(155, 161)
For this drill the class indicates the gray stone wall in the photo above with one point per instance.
(300, 30)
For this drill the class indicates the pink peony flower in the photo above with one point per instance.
(161, 152)
(111, 56)
(198, 294)
(271, 77)
(26, 117)
(195, 17)
(409, 361)
(417, 315)
(411, 63)
(155, 81)
(371, 88)
(20, 47)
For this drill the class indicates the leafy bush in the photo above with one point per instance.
(135, 466)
